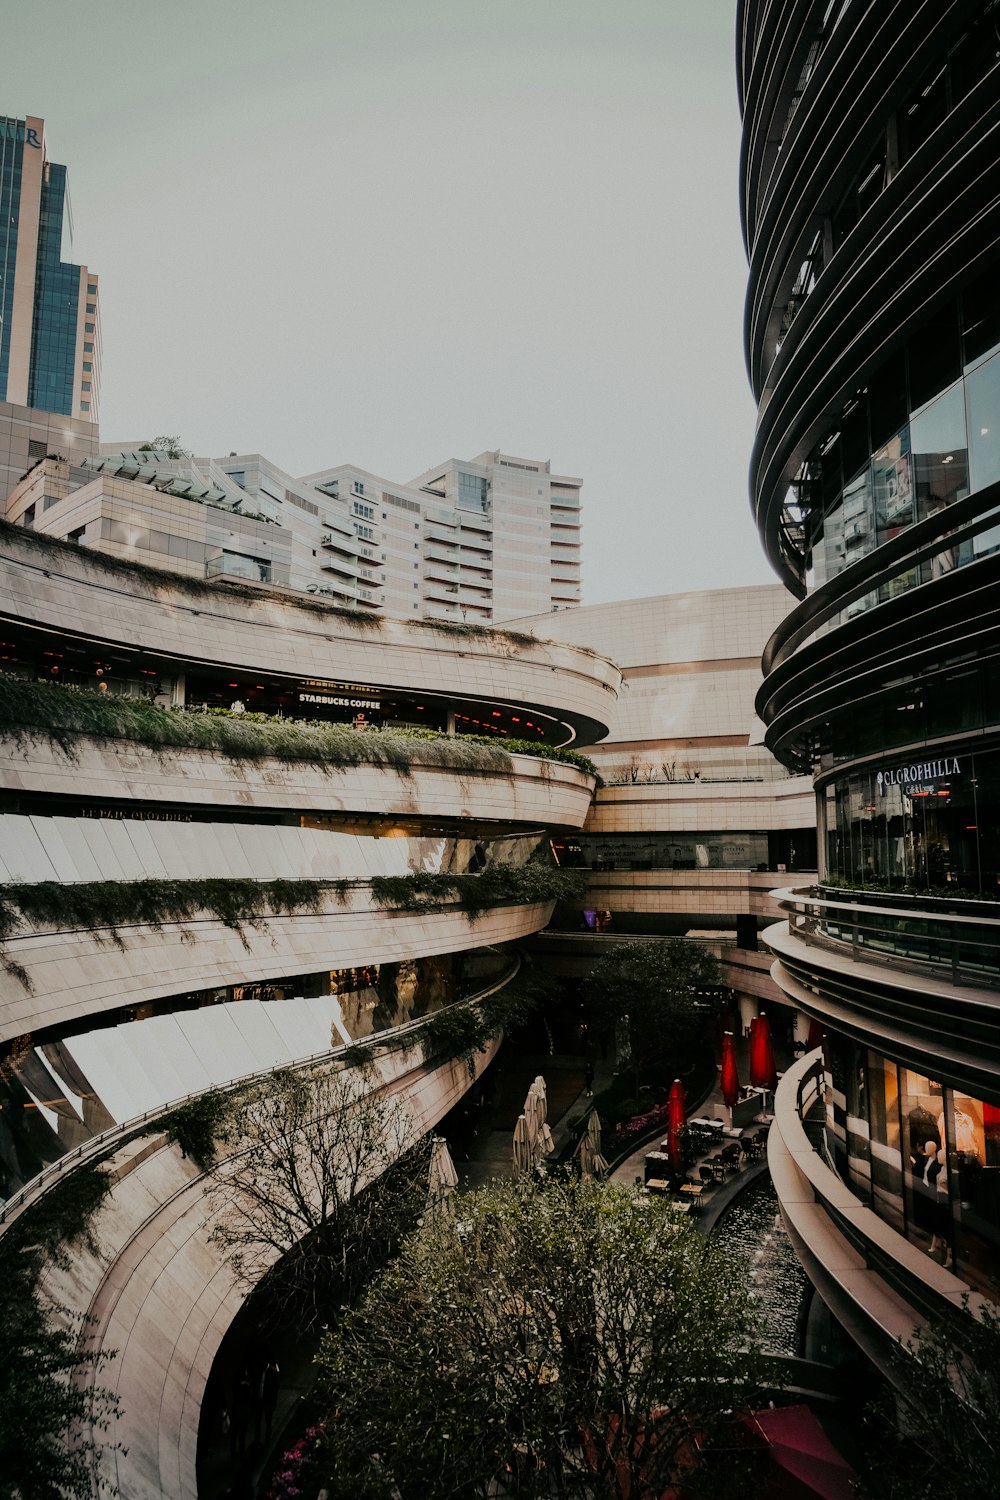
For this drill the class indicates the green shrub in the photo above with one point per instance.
(425, 890)
(50, 1406)
(113, 904)
(198, 1125)
(66, 713)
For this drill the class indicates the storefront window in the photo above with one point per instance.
(926, 1178)
(886, 1149)
(976, 1133)
(929, 823)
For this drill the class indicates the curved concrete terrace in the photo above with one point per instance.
(878, 1285)
(162, 1294)
(537, 792)
(78, 974)
(57, 588)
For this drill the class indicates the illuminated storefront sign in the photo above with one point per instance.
(341, 697)
(918, 773)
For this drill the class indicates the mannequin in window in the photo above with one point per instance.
(935, 1177)
(926, 1171)
(922, 1128)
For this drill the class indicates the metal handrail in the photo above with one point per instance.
(913, 935)
(12, 1207)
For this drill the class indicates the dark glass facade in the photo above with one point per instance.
(11, 160)
(924, 1156)
(871, 205)
(41, 371)
(57, 302)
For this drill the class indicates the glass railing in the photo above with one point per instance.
(962, 946)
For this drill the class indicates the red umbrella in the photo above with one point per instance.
(676, 1120)
(991, 1119)
(763, 1073)
(729, 1078)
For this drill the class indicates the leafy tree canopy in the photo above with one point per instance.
(168, 444)
(664, 988)
(558, 1339)
(947, 1445)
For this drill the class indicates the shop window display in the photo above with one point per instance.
(932, 825)
(886, 1152)
(926, 1181)
(924, 1156)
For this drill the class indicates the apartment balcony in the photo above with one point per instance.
(247, 569)
(442, 572)
(435, 551)
(345, 568)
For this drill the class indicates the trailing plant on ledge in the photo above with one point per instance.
(66, 713)
(50, 1406)
(199, 1125)
(497, 885)
(886, 885)
(106, 906)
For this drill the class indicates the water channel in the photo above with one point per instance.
(752, 1231)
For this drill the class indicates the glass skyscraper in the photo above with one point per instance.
(49, 326)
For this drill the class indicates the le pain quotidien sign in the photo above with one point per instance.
(918, 773)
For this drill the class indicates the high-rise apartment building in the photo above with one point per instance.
(477, 541)
(50, 344)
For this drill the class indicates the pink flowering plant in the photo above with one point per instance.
(639, 1124)
(297, 1471)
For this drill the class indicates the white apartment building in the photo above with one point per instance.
(482, 541)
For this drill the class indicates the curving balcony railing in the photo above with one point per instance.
(920, 933)
(99, 1146)
(878, 1285)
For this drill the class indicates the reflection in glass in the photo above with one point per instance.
(886, 1150)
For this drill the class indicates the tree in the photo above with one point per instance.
(324, 1178)
(564, 1338)
(170, 445)
(947, 1444)
(664, 990)
(53, 1414)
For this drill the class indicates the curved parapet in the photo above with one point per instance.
(176, 623)
(161, 1292)
(879, 1287)
(532, 792)
(870, 201)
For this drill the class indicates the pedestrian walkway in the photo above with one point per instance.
(489, 1148)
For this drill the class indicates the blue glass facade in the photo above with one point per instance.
(11, 158)
(57, 297)
(26, 204)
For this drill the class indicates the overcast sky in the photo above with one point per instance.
(389, 232)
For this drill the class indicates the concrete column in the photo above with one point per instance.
(821, 832)
(451, 721)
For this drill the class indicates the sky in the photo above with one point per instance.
(391, 232)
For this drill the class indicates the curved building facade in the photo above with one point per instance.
(696, 819)
(871, 205)
(242, 831)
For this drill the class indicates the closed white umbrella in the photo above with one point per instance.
(523, 1157)
(442, 1176)
(588, 1152)
(536, 1109)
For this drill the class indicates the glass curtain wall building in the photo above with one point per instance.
(50, 349)
(871, 208)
